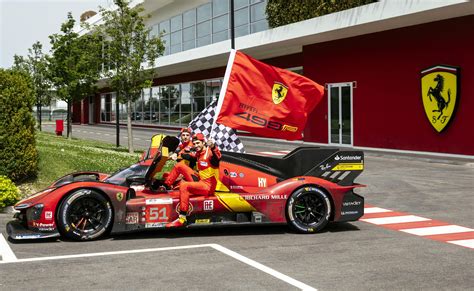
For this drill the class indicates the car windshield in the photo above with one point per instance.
(119, 177)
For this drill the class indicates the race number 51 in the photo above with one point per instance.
(157, 213)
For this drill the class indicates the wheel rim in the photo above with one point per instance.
(309, 209)
(87, 215)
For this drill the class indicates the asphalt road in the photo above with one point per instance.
(346, 256)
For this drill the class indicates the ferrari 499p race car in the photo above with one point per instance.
(306, 189)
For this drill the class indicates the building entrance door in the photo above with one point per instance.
(340, 113)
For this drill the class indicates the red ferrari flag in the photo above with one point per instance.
(266, 100)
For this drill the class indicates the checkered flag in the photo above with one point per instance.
(225, 137)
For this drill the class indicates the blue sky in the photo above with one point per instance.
(23, 22)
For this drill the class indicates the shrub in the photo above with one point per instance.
(9, 193)
(18, 154)
(282, 12)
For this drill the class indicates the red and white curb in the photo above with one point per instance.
(420, 226)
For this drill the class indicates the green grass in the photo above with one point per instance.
(59, 156)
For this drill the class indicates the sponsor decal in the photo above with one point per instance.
(241, 175)
(131, 218)
(203, 221)
(279, 92)
(159, 201)
(348, 158)
(208, 205)
(262, 182)
(352, 203)
(349, 212)
(119, 196)
(348, 167)
(43, 226)
(48, 215)
(267, 123)
(203, 163)
(265, 197)
(236, 187)
(439, 93)
(233, 175)
(190, 208)
(324, 167)
(27, 236)
(155, 225)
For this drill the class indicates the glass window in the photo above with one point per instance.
(175, 48)
(176, 23)
(204, 40)
(220, 7)
(204, 29)
(165, 26)
(240, 3)
(256, 1)
(166, 42)
(257, 12)
(259, 26)
(204, 12)
(189, 18)
(220, 23)
(220, 36)
(241, 30)
(176, 38)
(189, 33)
(241, 17)
(190, 44)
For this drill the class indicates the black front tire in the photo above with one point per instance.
(84, 215)
(308, 210)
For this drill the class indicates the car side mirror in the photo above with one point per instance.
(135, 180)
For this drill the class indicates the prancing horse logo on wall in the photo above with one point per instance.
(439, 91)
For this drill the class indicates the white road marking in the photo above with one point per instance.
(263, 268)
(395, 219)
(217, 247)
(433, 230)
(375, 210)
(468, 243)
(6, 253)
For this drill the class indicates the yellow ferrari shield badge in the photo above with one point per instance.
(439, 91)
(279, 92)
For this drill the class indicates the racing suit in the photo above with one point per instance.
(184, 166)
(207, 163)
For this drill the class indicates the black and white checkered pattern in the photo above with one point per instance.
(225, 137)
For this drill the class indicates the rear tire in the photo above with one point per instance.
(308, 210)
(84, 215)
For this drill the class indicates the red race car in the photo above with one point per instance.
(306, 189)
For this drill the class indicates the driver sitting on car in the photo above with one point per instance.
(207, 161)
(185, 157)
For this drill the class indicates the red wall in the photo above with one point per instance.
(387, 106)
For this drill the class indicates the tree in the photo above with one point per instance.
(36, 66)
(131, 54)
(74, 65)
(282, 12)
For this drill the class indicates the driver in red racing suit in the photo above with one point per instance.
(207, 162)
(184, 158)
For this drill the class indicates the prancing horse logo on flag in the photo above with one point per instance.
(439, 91)
(279, 92)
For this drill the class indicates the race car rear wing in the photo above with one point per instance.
(332, 164)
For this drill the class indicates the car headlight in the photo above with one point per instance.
(22, 206)
(34, 213)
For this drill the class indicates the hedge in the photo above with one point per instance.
(18, 154)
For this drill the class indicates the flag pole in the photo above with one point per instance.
(232, 32)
